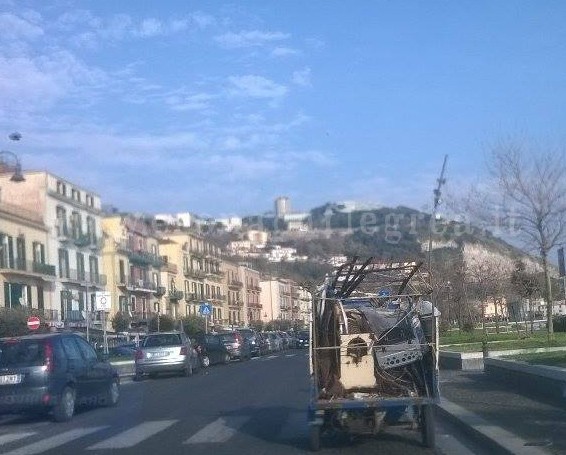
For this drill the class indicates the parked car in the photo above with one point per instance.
(54, 373)
(275, 342)
(124, 350)
(251, 336)
(303, 339)
(212, 349)
(237, 346)
(164, 352)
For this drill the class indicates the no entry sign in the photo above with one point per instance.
(33, 323)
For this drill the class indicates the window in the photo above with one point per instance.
(38, 253)
(91, 228)
(62, 229)
(21, 253)
(86, 350)
(76, 225)
(89, 200)
(61, 188)
(71, 349)
(122, 304)
(76, 195)
(81, 267)
(154, 249)
(40, 298)
(122, 271)
(93, 267)
(63, 263)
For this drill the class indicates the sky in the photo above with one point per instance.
(219, 107)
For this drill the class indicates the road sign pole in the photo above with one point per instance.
(87, 315)
(104, 332)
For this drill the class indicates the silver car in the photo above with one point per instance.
(165, 352)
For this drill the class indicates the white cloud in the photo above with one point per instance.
(249, 38)
(14, 28)
(150, 27)
(256, 87)
(282, 51)
(302, 77)
(190, 102)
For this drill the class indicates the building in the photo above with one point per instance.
(235, 293)
(258, 239)
(72, 216)
(26, 278)
(198, 276)
(251, 294)
(231, 223)
(282, 206)
(132, 258)
(284, 300)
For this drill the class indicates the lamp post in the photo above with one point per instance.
(16, 167)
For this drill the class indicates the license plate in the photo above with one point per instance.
(157, 354)
(10, 379)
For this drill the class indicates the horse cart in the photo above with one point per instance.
(373, 351)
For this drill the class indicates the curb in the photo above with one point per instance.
(496, 438)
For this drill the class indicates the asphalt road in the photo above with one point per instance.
(255, 407)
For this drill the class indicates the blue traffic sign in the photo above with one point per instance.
(205, 309)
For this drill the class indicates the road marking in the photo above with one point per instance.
(218, 431)
(290, 355)
(54, 441)
(133, 436)
(8, 438)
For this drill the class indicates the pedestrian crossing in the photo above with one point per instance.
(220, 431)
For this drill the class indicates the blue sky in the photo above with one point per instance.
(217, 108)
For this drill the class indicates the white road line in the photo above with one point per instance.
(8, 438)
(218, 431)
(133, 436)
(54, 441)
(290, 355)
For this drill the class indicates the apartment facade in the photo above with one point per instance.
(235, 293)
(283, 299)
(251, 294)
(72, 216)
(26, 278)
(199, 276)
(132, 258)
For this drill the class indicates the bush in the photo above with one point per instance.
(193, 325)
(121, 322)
(468, 327)
(13, 322)
(165, 324)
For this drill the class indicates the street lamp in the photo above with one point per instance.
(17, 167)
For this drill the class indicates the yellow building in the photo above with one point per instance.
(133, 263)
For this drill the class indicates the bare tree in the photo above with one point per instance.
(532, 187)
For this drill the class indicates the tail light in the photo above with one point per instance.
(238, 338)
(184, 350)
(48, 361)
(138, 355)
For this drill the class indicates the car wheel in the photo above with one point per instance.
(205, 362)
(188, 371)
(65, 407)
(113, 393)
(138, 376)
(226, 358)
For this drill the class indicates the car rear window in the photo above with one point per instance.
(24, 353)
(164, 339)
(229, 337)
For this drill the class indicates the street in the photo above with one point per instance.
(258, 406)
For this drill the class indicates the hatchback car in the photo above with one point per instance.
(237, 345)
(251, 337)
(165, 352)
(213, 350)
(54, 373)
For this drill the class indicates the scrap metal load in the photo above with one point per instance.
(374, 333)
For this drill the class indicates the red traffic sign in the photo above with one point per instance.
(33, 323)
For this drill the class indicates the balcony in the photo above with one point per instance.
(170, 268)
(160, 291)
(140, 257)
(194, 273)
(140, 285)
(197, 253)
(234, 283)
(219, 298)
(81, 276)
(88, 240)
(23, 267)
(176, 295)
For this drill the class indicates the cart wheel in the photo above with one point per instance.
(428, 426)
(314, 438)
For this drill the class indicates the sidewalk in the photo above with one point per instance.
(508, 421)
